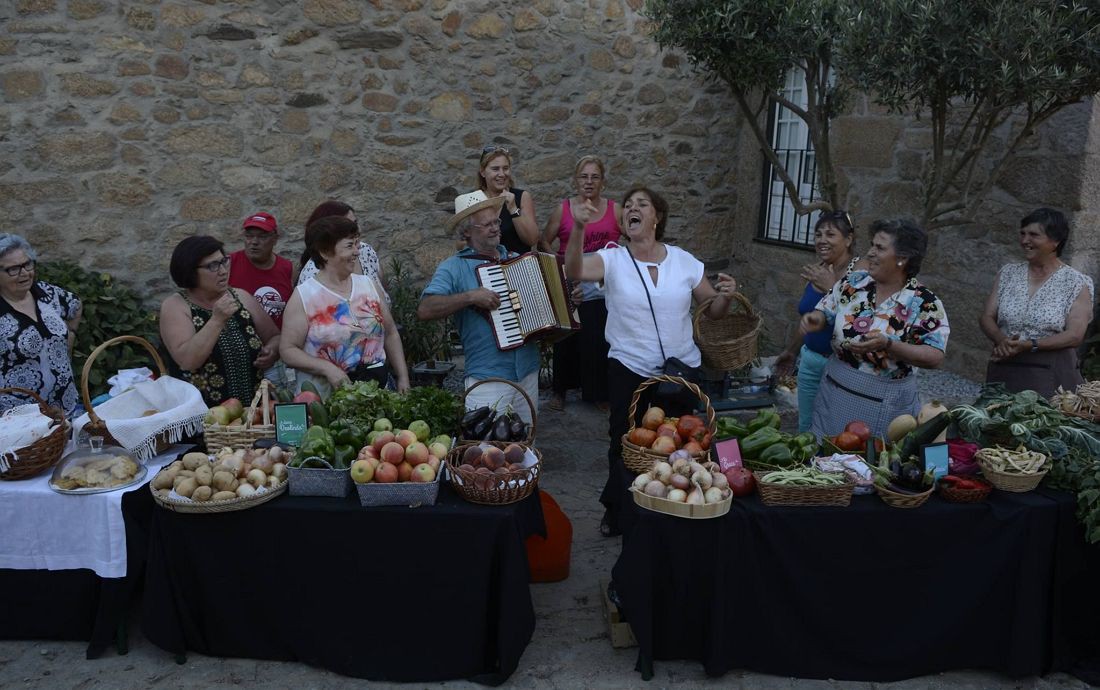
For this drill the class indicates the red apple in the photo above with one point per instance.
(416, 454)
(406, 438)
(393, 453)
(236, 409)
(404, 472)
(385, 473)
(423, 473)
(367, 452)
(433, 462)
(382, 439)
(307, 397)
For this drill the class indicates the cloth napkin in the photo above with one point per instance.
(180, 413)
(20, 427)
(125, 379)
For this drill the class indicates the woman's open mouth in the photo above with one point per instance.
(633, 221)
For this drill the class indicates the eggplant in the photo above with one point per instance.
(911, 475)
(482, 429)
(502, 430)
(898, 488)
(518, 431)
(473, 417)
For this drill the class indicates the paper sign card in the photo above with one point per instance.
(728, 452)
(290, 423)
(935, 458)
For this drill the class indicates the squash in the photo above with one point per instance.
(929, 410)
(900, 426)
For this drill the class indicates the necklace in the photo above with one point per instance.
(343, 289)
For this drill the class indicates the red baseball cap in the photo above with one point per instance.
(263, 221)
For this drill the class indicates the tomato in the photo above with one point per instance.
(690, 428)
(742, 483)
(848, 441)
(860, 429)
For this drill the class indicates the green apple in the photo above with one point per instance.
(444, 439)
(420, 428)
(218, 415)
(383, 424)
(371, 436)
(362, 471)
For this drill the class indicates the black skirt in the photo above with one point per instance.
(1042, 372)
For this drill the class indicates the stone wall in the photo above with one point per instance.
(126, 126)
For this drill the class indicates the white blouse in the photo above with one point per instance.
(1044, 312)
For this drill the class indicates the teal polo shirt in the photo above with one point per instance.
(483, 358)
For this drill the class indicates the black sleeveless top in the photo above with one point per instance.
(508, 235)
(229, 372)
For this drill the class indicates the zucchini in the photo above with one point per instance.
(923, 435)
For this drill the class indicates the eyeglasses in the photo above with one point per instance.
(14, 271)
(492, 151)
(215, 266)
(589, 178)
(840, 215)
(491, 224)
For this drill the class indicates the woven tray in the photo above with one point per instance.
(226, 506)
(243, 435)
(778, 495)
(683, 510)
(493, 489)
(412, 494)
(95, 425)
(1015, 483)
(44, 453)
(315, 481)
(638, 459)
(728, 342)
(896, 500)
(955, 495)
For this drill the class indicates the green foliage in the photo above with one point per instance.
(110, 309)
(422, 340)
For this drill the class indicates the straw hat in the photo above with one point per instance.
(467, 205)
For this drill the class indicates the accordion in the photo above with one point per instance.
(534, 299)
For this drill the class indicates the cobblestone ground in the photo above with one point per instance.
(570, 647)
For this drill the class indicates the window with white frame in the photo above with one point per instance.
(790, 139)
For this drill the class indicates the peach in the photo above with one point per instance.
(493, 458)
(472, 456)
(514, 453)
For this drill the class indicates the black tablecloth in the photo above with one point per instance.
(867, 592)
(77, 604)
(391, 593)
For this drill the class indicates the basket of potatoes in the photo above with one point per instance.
(234, 479)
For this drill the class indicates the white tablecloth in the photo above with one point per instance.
(41, 529)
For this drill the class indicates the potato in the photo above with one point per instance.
(223, 496)
(176, 465)
(204, 475)
(185, 473)
(224, 481)
(202, 493)
(164, 479)
(187, 487)
(163, 493)
(195, 460)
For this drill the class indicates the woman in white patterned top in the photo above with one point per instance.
(1038, 312)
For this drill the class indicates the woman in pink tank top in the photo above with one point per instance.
(580, 361)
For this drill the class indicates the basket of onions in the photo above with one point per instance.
(683, 487)
(658, 437)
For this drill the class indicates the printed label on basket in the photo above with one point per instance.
(728, 452)
(290, 423)
(935, 458)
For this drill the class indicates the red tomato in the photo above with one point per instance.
(848, 441)
(742, 483)
(860, 429)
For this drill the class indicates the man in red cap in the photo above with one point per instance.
(258, 269)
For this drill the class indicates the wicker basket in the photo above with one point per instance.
(896, 500)
(315, 481)
(691, 512)
(728, 342)
(1016, 483)
(781, 495)
(226, 506)
(493, 489)
(95, 425)
(530, 405)
(243, 435)
(954, 494)
(638, 459)
(44, 453)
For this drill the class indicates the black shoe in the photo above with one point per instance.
(608, 529)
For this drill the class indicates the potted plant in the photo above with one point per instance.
(427, 343)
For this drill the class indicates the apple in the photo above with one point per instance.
(433, 462)
(361, 472)
(371, 436)
(307, 397)
(236, 409)
(421, 429)
(392, 453)
(406, 438)
(385, 473)
(218, 415)
(382, 439)
(236, 422)
(443, 439)
(404, 472)
(423, 473)
(367, 452)
(416, 454)
(438, 449)
(383, 424)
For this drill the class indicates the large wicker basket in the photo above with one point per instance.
(95, 425)
(243, 435)
(899, 500)
(782, 495)
(44, 453)
(638, 459)
(496, 489)
(227, 506)
(728, 342)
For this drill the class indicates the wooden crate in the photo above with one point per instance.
(622, 637)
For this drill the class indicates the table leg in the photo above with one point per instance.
(644, 665)
(122, 638)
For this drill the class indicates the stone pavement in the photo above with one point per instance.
(570, 647)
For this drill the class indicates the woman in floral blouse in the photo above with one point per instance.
(884, 323)
(219, 338)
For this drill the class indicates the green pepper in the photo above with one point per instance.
(776, 454)
(347, 433)
(318, 441)
(757, 441)
(730, 427)
(345, 455)
(764, 418)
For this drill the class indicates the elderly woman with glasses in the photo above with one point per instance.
(219, 338)
(518, 229)
(834, 240)
(38, 323)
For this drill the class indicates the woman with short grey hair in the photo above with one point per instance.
(38, 323)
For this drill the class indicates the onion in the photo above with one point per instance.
(662, 471)
(696, 467)
(695, 498)
(641, 480)
(276, 454)
(702, 479)
(257, 477)
(680, 454)
(262, 462)
(273, 482)
(679, 481)
(719, 480)
(656, 489)
(246, 490)
(678, 495)
(278, 470)
(713, 495)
